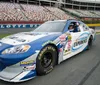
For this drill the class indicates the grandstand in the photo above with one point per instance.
(44, 10)
(85, 13)
(24, 12)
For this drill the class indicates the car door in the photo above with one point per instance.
(80, 39)
(76, 42)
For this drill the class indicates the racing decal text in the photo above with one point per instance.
(27, 63)
(80, 42)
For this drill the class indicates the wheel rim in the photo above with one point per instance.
(46, 60)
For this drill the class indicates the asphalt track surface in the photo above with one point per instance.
(81, 69)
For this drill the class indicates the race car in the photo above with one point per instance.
(26, 55)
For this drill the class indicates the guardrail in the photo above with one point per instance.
(2, 26)
(20, 24)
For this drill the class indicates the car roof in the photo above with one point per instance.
(63, 20)
(57, 21)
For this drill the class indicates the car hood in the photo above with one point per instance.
(35, 40)
(26, 37)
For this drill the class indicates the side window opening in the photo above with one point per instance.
(74, 27)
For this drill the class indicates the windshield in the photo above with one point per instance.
(51, 27)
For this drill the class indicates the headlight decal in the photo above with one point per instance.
(17, 49)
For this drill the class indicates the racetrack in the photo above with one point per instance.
(82, 69)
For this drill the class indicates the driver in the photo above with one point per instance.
(71, 28)
(76, 27)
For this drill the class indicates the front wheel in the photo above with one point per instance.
(46, 60)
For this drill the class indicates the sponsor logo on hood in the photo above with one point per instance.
(25, 37)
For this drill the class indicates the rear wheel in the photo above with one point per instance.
(90, 42)
(46, 60)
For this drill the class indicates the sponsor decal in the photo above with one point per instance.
(63, 40)
(80, 41)
(62, 37)
(32, 34)
(27, 68)
(17, 39)
(68, 45)
(27, 63)
(65, 44)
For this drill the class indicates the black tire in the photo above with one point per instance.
(90, 42)
(46, 60)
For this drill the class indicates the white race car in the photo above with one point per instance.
(28, 54)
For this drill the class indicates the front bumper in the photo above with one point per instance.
(18, 72)
(23, 76)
